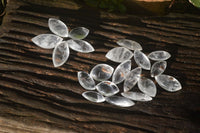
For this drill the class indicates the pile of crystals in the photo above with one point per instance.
(61, 48)
(107, 90)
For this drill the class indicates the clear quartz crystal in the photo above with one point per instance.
(120, 101)
(168, 83)
(119, 54)
(60, 54)
(47, 41)
(121, 71)
(79, 33)
(136, 96)
(142, 60)
(86, 81)
(107, 88)
(158, 68)
(159, 55)
(132, 45)
(93, 96)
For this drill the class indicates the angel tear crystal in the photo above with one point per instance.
(93, 96)
(136, 96)
(120, 101)
(107, 88)
(142, 60)
(79, 33)
(132, 45)
(158, 68)
(86, 81)
(159, 55)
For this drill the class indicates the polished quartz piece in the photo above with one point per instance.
(101, 72)
(168, 83)
(121, 71)
(119, 54)
(159, 55)
(158, 68)
(60, 54)
(80, 46)
(147, 86)
(142, 60)
(47, 41)
(132, 78)
(86, 81)
(93, 96)
(136, 96)
(58, 27)
(132, 45)
(78, 33)
(120, 101)
(107, 88)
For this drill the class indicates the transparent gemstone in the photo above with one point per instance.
(119, 54)
(132, 45)
(86, 81)
(158, 68)
(142, 60)
(168, 83)
(120, 101)
(136, 96)
(47, 41)
(101, 72)
(159, 55)
(79, 33)
(93, 96)
(121, 71)
(132, 78)
(58, 27)
(147, 86)
(80, 46)
(107, 88)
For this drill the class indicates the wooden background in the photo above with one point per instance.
(35, 97)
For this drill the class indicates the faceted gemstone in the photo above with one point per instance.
(58, 27)
(142, 60)
(158, 68)
(121, 71)
(60, 54)
(120, 101)
(79, 33)
(132, 45)
(159, 55)
(168, 83)
(101, 72)
(119, 54)
(132, 78)
(80, 46)
(147, 86)
(93, 96)
(107, 88)
(136, 96)
(86, 81)
(47, 41)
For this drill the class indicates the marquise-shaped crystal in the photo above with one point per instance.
(80, 46)
(132, 45)
(159, 55)
(58, 27)
(142, 60)
(107, 88)
(158, 68)
(168, 83)
(93, 96)
(120, 101)
(136, 96)
(60, 54)
(119, 54)
(47, 41)
(79, 33)
(121, 71)
(86, 81)
(147, 86)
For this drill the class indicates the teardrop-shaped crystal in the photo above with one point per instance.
(120, 101)
(132, 45)
(168, 83)
(136, 96)
(147, 86)
(86, 81)
(47, 41)
(159, 55)
(121, 71)
(93, 96)
(142, 60)
(132, 78)
(119, 54)
(158, 68)
(79, 33)
(58, 27)
(80, 46)
(101, 72)
(107, 88)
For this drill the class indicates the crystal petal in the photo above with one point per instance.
(132, 45)
(107, 88)
(93, 96)
(136, 96)
(79, 33)
(158, 68)
(159, 55)
(142, 60)
(120, 101)
(86, 81)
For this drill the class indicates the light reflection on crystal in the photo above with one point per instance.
(120, 101)
(142, 60)
(107, 88)
(93, 96)
(86, 81)
(79, 33)
(132, 45)
(136, 96)
(159, 55)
